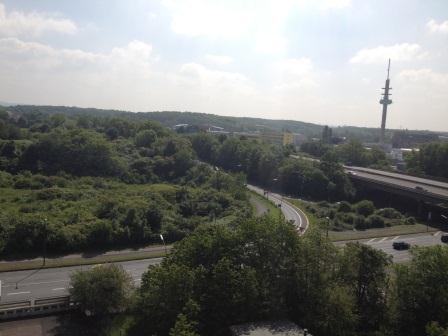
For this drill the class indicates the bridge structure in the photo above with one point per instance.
(423, 190)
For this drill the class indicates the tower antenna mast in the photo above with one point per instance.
(385, 101)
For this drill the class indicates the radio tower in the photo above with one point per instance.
(385, 101)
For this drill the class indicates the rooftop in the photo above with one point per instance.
(268, 328)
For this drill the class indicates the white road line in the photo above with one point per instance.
(437, 233)
(18, 293)
(58, 289)
(395, 237)
(371, 240)
(382, 240)
(37, 283)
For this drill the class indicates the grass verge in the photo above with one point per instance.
(66, 262)
(396, 230)
(273, 211)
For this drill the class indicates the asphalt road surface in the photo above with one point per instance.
(398, 256)
(291, 213)
(401, 180)
(53, 282)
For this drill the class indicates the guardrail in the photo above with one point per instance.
(40, 306)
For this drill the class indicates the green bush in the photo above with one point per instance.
(359, 222)
(375, 221)
(344, 206)
(410, 221)
(365, 208)
(389, 213)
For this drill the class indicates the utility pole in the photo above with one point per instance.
(385, 101)
(45, 240)
(163, 241)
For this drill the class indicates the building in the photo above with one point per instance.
(268, 328)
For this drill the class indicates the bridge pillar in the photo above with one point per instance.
(420, 208)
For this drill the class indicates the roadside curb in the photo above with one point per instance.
(15, 267)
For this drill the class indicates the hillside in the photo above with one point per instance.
(232, 124)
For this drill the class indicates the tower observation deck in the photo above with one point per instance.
(385, 101)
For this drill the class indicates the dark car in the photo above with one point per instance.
(444, 238)
(401, 245)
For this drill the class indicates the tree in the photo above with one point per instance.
(183, 327)
(145, 138)
(365, 208)
(102, 290)
(364, 271)
(420, 292)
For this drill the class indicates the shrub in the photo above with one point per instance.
(344, 206)
(375, 221)
(410, 221)
(389, 213)
(22, 183)
(365, 208)
(49, 194)
(359, 222)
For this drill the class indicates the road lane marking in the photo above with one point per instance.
(17, 293)
(395, 237)
(37, 283)
(58, 289)
(382, 240)
(371, 240)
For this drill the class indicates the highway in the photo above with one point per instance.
(413, 185)
(51, 282)
(399, 256)
(291, 213)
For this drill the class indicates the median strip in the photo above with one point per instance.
(67, 262)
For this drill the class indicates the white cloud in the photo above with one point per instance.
(435, 27)
(213, 19)
(397, 52)
(424, 75)
(294, 73)
(218, 59)
(335, 4)
(33, 24)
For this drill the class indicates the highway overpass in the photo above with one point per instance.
(421, 189)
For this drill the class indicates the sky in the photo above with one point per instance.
(320, 61)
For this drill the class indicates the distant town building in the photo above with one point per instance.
(277, 328)
(327, 133)
(412, 139)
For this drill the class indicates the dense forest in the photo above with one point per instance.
(82, 182)
(431, 159)
(232, 124)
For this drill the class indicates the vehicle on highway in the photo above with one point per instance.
(401, 245)
(444, 238)
(419, 188)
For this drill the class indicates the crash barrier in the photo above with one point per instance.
(40, 306)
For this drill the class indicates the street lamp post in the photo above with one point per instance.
(45, 240)
(328, 225)
(164, 245)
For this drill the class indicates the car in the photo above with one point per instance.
(420, 188)
(444, 238)
(401, 245)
